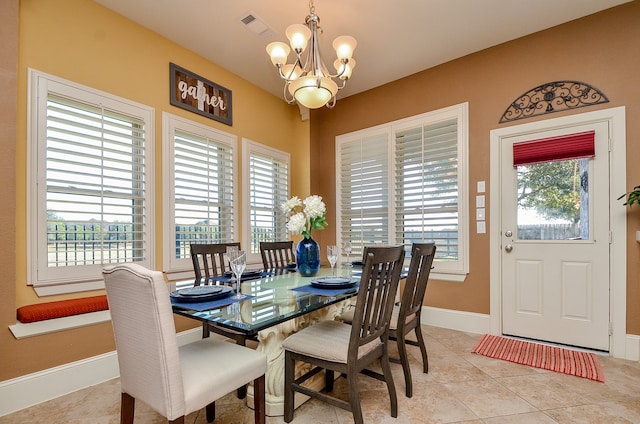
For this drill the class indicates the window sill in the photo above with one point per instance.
(456, 278)
(21, 331)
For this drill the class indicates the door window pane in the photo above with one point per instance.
(553, 200)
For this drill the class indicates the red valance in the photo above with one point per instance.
(564, 147)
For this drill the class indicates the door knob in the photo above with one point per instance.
(508, 248)
(508, 233)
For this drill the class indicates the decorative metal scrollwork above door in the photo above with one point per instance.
(553, 97)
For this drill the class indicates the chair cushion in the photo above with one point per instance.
(61, 308)
(230, 365)
(328, 340)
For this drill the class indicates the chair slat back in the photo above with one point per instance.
(208, 260)
(422, 255)
(276, 254)
(374, 304)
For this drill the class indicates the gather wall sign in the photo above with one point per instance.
(199, 95)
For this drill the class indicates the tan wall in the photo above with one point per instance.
(8, 112)
(84, 42)
(602, 50)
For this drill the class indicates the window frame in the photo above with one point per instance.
(249, 148)
(182, 268)
(83, 277)
(451, 271)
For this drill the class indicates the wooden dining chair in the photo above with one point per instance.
(405, 318)
(277, 254)
(174, 381)
(349, 349)
(209, 261)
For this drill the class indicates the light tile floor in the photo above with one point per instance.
(460, 387)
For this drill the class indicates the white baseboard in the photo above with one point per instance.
(456, 320)
(32, 389)
(480, 324)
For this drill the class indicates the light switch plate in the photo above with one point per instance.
(480, 214)
(480, 201)
(481, 187)
(481, 227)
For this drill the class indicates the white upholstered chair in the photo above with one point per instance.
(174, 381)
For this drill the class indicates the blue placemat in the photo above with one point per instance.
(212, 304)
(225, 279)
(326, 292)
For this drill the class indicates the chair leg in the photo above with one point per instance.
(259, 408)
(423, 349)
(388, 377)
(242, 391)
(289, 377)
(404, 360)
(354, 398)
(329, 378)
(211, 412)
(205, 330)
(127, 407)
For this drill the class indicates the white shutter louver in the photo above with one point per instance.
(204, 192)
(427, 188)
(364, 191)
(95, 186)
(268, 189)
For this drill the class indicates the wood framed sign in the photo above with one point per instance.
(199, 95)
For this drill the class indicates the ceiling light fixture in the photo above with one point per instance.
(309, 82)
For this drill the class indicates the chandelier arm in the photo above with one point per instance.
(331, 103)
(284, 94)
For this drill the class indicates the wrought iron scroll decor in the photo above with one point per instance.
(553, 97)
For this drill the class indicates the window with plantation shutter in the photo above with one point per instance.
(422, 197)
(363, 189)
(200, 202)
(90, 194)
(267, 172)
(427, 187)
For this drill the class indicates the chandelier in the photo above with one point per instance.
(307, 79)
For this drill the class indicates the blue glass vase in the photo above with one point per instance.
(308, 257)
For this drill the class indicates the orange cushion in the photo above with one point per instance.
(62, 308)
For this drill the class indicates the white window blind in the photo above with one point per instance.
(363, 190)
(427, 190)
(406, 182)
(91, 201)
(268, 189)
(199, 200)
(203, 190)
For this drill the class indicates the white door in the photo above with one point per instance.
(555, 277)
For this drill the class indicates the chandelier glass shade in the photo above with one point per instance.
(307, 79)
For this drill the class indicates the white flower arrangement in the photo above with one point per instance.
(306, 215)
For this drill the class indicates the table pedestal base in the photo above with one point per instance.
(270, 343)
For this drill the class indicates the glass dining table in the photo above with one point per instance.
(273, 306)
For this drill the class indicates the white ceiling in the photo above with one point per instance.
(395, 38)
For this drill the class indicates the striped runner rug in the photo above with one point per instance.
(581, 364)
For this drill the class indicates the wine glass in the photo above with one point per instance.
(346, 250)
(238, 262)
(332, 255)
